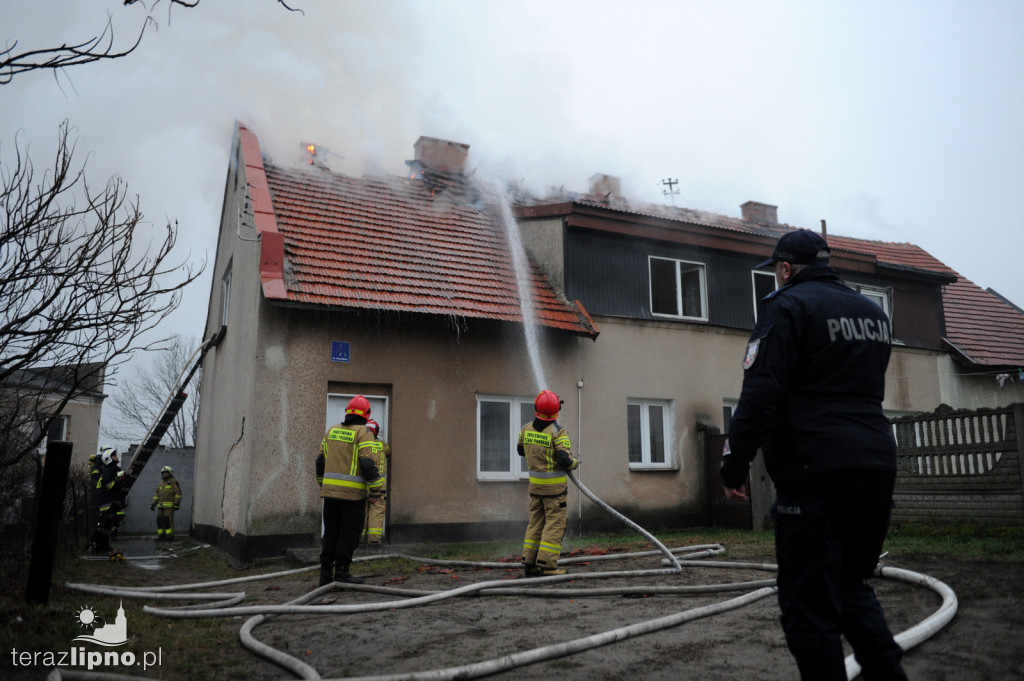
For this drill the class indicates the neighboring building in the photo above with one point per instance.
(37, 394)
(405, 290)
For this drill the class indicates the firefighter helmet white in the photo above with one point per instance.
(167, 469)
(107, 454)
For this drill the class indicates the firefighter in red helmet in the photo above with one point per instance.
(345, 468)
(548, 452)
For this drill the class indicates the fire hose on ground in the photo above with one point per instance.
(225, 605)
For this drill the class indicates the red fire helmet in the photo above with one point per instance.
(358, 405)
(373, 425)
(547, 405)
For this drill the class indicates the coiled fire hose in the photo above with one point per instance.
(222, 605)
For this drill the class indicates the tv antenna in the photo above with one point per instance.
(671, 192)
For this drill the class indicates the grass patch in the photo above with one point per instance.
(209, 648)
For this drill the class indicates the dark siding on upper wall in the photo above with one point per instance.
(609, 274)
(916, 309)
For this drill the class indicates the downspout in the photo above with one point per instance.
(579, 449)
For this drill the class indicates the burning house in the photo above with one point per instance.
(406, 290)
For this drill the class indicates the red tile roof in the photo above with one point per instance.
(981, 327)
(428, 249)
(392, 243)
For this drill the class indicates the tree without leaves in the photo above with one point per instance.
(80, 290)
(141, 400)
(97, 48)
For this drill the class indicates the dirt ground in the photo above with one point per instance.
(981, 642)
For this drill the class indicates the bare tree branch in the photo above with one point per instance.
(94, 49)
(57, 58)
(139, 400)
(80, 286)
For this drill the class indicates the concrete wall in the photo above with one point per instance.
(138, 518)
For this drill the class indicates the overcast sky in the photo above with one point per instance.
(896, 120)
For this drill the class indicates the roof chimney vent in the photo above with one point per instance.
(605, 189)
(441, 155)
(760, 212)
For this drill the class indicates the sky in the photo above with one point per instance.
(895, 121)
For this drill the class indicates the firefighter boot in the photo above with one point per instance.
(326, 572)
(531, 570)
(341, 574)
(554, 570)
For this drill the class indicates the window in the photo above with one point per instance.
(876, 294)
(728, 409)
(499, 420)
(225, 295)
(58, 430)
(678, 289)
(649, 433)
(764, 283)
(379, 408)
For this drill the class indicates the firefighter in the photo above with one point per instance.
(166, 501)
(548, 452)
(373, 530)
(109, 496)
(96, 468)
(344, 468)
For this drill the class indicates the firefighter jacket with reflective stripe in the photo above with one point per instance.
(548, 455)
(109, 485)
(381, 452)
(345, 464)
(168, 493)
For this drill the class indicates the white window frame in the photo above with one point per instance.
(731, 405)
(875, 292)
(62, 423)
(668, 429)
(225, 293)
(754, 274)
(379, 408)
(517, 468)
(680, 265)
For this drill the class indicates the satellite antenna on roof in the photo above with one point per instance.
(671, 191)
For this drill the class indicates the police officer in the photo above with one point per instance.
(344, 467)
(813, 384)
(548, 452)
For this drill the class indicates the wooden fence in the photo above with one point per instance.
(961, 466)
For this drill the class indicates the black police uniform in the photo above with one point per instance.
(813, 384)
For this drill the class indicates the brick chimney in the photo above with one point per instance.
(760, 212)
(605, 188)
(441, 155)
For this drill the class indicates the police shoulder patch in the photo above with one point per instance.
(751, 356)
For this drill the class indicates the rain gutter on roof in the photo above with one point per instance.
(585, 320)
(960, 355)
(599, 218)
(271, 239)
(941, 277)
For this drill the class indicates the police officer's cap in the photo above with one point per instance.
(800, 247)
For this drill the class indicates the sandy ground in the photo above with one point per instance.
(982, 641)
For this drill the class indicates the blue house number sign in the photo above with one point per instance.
(339, 351)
